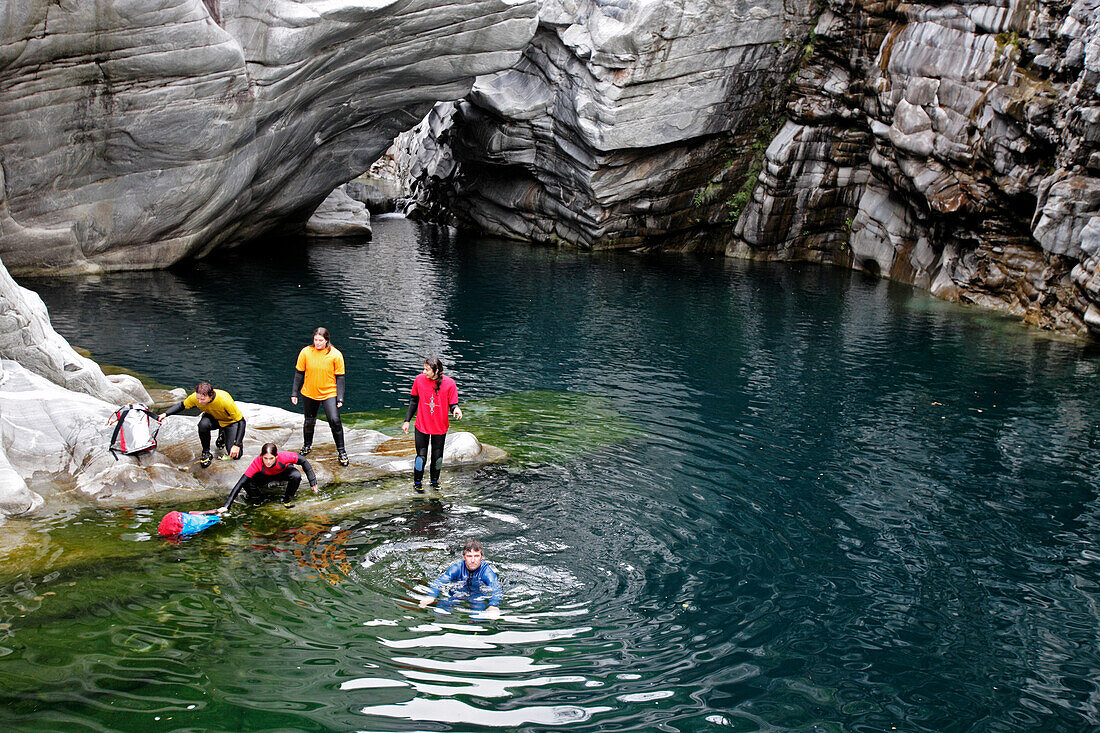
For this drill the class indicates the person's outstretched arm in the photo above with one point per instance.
(449, 575)
(409, 413)
(310, 475)
(177, 408)
(233, 494)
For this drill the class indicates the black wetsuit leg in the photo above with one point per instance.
(253, 487)
(333, 415)
(309, 407)
(234, 436)
(423, 441)
(207, 425)
(438, 441)
(293, 480)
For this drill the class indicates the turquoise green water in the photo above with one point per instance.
(740, 498)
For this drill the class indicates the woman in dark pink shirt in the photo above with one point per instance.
(434, 398)
(272, 465)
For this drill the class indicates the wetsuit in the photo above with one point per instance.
(319, 381)
(476, 587)
(257, 476)
(221, 413)
(432, 408)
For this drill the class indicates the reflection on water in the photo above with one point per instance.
(742, 497)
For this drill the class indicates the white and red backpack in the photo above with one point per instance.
(136, 429)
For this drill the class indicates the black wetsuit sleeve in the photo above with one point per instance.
(340, 388)
(236, 490)
(299, 380)
(453, 406)
(412, 409)
(310, 476)
(175, 409)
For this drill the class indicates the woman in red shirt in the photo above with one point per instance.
(434, 399)
(272, 465)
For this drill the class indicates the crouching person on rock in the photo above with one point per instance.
(219, 411)
(271, 465)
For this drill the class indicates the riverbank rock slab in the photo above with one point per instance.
(61, 438)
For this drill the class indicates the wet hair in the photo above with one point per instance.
(205, 389)
(472, 546)
(269, 449)
(437, 369)
(322, 331)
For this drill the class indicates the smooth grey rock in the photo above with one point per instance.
(27, 336)
(380, 196)
(135, 134)
(603, 134)
(339, 215)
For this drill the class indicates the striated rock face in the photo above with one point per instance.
(949, 146)
(625, 124)
(137, 133)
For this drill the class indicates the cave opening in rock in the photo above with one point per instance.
(870, 266)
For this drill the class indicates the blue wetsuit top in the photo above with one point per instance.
(473, 584)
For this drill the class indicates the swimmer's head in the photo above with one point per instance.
(472, 555)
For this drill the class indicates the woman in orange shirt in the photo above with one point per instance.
(319, 382)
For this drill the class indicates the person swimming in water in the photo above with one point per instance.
(219, 411)
(478, 584)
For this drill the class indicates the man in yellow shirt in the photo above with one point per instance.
(220, 411)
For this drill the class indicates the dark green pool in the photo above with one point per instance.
(742, 498)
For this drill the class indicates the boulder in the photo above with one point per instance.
(339, 215)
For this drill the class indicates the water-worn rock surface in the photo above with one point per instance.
(618, 115)
(58, 439)
(339, 215)
(26, 336)
(33, 353)
(952, 146)
(135, 134)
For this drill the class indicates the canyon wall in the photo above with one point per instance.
(135, 133)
